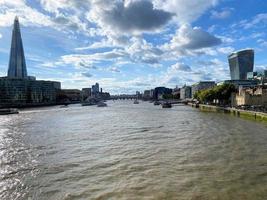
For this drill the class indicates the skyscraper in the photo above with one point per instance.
(20, 90)
(17, 65)
(241, 63)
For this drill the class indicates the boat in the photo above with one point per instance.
(64, 106)
(166, 105)
(136, 101)
(88, 104)
(8, 111)
(101, 104)
(156, 103)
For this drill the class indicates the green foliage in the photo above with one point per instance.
(221, 93)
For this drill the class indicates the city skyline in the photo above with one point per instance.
(162, 47)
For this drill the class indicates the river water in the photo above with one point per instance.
(127, 151)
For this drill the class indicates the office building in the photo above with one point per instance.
(186, 92)
(18, 89)
(241, 62)
(159, 92)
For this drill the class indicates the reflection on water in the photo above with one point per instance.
(127, 151)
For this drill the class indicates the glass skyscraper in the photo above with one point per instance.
(241, 63)
(17, 65)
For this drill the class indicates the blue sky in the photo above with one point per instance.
(130, 45)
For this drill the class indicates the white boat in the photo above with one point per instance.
(101, 104)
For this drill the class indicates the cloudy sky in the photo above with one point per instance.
(130, 45)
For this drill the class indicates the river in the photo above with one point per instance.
(127, 151)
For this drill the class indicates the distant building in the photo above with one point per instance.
(138, 94)
(18, 89)
(243, 83)
(159, 92)
(241, 62)
(256, 96)
(186, 92)
(71, 95)
(146, 95)
(86, 92)
(95, 89)
(202, 85)
(176, 92)
(260, 76)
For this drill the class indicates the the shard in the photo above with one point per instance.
(17, 65)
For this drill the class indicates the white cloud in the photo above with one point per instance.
(223, 14)
(180, 67)
(260, 19)
(186, 11)
(226, 50)
(193, 38)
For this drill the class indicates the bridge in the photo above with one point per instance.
(123, 97)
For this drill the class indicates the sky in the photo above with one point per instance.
(133, 45)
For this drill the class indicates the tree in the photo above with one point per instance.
(222, 93)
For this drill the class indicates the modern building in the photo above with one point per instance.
(202, 85)
(17, 64)
(20, 90)
(260, 76)
(241, 62)
(243, 83)
(186, 92)
(95, 89)
(159, 92)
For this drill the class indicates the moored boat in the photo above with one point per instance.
(166, 105)
(8, 111)
(156, 103)
(88, 104)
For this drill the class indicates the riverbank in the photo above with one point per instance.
(258, 116)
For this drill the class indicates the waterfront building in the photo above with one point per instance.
(186, 92)
(159, 92)
(176, 92)
(254, 96)
(202, 85)
(138, 95)
(146, 95)
(23, 92)
(18, 89)
(71, 95)
(103, 95)
(241, 62)
(86, 92)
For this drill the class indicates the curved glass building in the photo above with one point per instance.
(241, 62)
